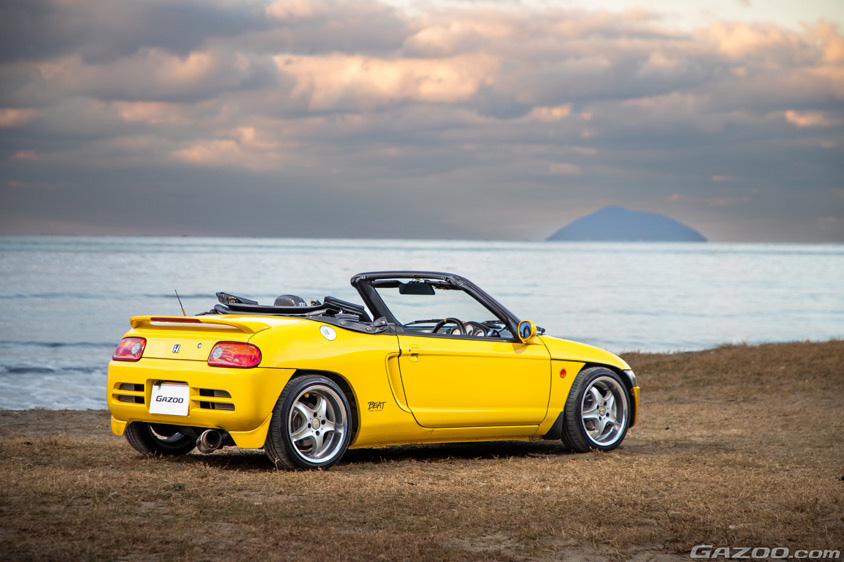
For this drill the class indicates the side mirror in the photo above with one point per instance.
(527, 331)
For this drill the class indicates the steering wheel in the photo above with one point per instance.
(459, 327)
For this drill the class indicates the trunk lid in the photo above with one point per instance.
(190, 338)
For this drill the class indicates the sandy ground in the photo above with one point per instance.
(738, 446)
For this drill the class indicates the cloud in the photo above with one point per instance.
(102, 31)
(151, 113)
(445, 120)
(26, 155)
(564, 168)
(248, 149)
(552, 113)
(332, 81)
(764, 41)
(15, 117)
(807, 118)
(154, 74)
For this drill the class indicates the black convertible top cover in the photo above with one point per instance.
(331, 307)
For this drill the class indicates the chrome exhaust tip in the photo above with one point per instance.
(209, 441)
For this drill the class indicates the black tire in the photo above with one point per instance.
(575, 434)
(306, 453)
(159, 439)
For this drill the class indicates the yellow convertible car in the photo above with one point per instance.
(430, 358)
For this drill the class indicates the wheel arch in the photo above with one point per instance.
(345, 386)
(628, 385)
(556, 430)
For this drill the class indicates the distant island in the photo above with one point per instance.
(615, 224)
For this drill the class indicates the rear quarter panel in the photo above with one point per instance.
(368, 362)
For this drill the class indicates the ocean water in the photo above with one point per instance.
(67, 300)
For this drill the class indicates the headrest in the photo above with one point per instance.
(290, 300)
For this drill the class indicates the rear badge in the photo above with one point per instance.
(177, 347)
(328, 333)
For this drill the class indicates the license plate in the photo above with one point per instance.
(171, 399)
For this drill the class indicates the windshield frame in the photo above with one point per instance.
(363, 283)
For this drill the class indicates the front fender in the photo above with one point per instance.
(565, 350)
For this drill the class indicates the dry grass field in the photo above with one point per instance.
(737, 446)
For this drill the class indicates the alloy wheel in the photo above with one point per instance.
(317, 424)
(604, 411)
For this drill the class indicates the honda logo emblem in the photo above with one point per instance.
(177, 347)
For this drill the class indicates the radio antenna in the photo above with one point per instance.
(180, 302)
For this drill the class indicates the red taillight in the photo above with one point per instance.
(234, 354)
(129, 349)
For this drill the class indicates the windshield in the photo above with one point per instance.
(420, 305)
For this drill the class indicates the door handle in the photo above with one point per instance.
(414, 351)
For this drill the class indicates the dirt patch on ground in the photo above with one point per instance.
(738, 446)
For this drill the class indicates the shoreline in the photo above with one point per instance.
(707, 242)
(723, 454)
(637, 353)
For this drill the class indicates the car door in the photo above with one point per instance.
(472, 382)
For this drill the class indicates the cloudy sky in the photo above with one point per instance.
(359, 118)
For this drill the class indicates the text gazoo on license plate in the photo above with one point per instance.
(168, 398)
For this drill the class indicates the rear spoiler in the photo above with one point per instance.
(193, 322)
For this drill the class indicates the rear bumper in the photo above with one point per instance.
(239, 401)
